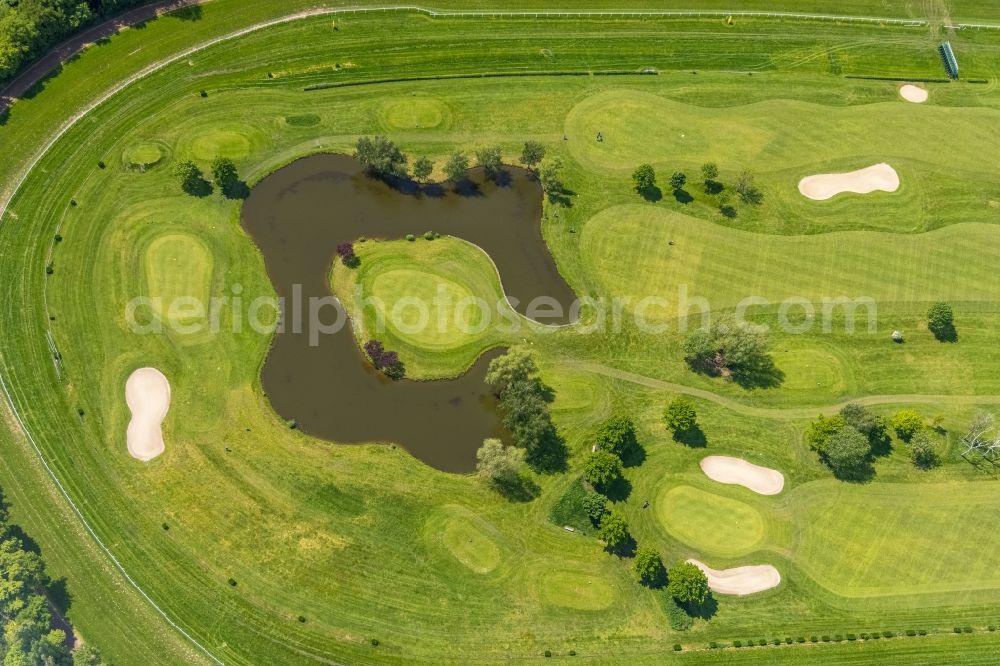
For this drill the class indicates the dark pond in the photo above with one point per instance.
(300, 213)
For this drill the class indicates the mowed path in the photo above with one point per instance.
(777, 412)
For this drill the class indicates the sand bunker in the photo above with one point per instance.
(863, 181)
(737, 471)
(912, 93)
(741, 580)
(147, 393)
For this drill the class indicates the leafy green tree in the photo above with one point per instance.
(941, 321)
(423, 167)
(224, 173)
(456, 166)
(747, 190)
(709, 171)
(498, 464)
(617, 435)
(190, 177)
(923, 451)
(596, 505)
(907, 423)
(524, 405)
(847, 453)
(613, 530)
(680, 415)
(490, 159)
(821, 429)
(381, 156)
(533, 154)
(868, 423)
(729, 347)
(22, 575)
(687, 583)
(602, 468)
(677, 181)
(649, 567)
(644, 178)
(550, 176)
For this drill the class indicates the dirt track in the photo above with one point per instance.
(39, 69)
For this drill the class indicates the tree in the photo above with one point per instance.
(677, 181)
(523, 401)
(687, 583)
(680, 416)
(729, 347)
(907, 423)
(981, 437)
(602, 468)
(649, 567)
(456, 166)
(498, 464)
(423, 167)
(596, 505)
(923, 451)
(380, 156)
(550, 176)
(644, 178)
(847, 452)
(22, 576)
(747, 189)
(613, 531)
(941, 322)
(709, 171)
(821, 429)
(617, 435)
(346, 253)
(490, 159)
(533, 154)
(869, 424)
(190, 176)
(224, 173)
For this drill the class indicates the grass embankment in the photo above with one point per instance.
(364, 542)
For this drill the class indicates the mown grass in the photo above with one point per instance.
(364, 542)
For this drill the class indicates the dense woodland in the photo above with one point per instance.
(30, 635)
(29, 27)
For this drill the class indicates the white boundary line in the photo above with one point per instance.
(9, 195)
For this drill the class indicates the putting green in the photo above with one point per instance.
(143, 155)
(438, 303)
(467, 537)
(713, 524)
(179, 271)
(577, 589)
(233, 144)
(411, 113)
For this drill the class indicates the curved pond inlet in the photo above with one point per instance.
(300, 213)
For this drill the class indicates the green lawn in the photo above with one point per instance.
(364, 541)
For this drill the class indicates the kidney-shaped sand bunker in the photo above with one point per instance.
(147, 393)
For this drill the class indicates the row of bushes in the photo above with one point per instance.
(837, 638)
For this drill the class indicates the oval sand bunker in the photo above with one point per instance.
(147, 393)
(725, 469)
(823, 186)
(912, 93)
(741, 580)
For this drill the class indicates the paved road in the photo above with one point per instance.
(60, 54)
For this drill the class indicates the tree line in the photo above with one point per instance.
(29, 636)
(28, 28)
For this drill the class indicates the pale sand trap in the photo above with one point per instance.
(912, 93)
(825, 185)
(725, 469)
(147, 393)
(741, 580)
